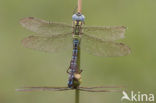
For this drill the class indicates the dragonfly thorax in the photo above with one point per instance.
(78, 21)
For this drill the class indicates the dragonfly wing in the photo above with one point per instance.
(100, 87)
(48, 43)
(107, 33)
(104, 48)
(43, 27)
(43, 89)
(90, 90)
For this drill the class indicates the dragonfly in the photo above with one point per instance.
(57, 36)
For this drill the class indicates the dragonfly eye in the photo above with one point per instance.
(76, 17)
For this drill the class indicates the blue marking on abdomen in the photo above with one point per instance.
(70, 83)
(73, 63)
(74, 57)
(75, 41)
(75, 52)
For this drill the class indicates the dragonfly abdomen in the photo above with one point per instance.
(73, 64)
(73, 82)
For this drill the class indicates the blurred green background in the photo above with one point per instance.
(20, 66)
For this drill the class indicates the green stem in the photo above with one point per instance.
(77, 96)
(77, 92)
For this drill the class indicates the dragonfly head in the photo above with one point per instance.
(75, 81)
(78, 17)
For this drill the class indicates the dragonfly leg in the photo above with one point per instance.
(80, 71)
(68, 70)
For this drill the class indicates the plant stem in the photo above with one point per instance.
(77, 96)
(79, 5)
(77, 92)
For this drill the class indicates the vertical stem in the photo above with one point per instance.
(79, 5)
(77, 96)
(78, 55)
(77, 92)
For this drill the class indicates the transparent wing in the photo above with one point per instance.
(87, 89)
(43, 89)
(48, 43)
(44, 27)
(107, 33)
(104, 48)
(100, 87)
(90, 90)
